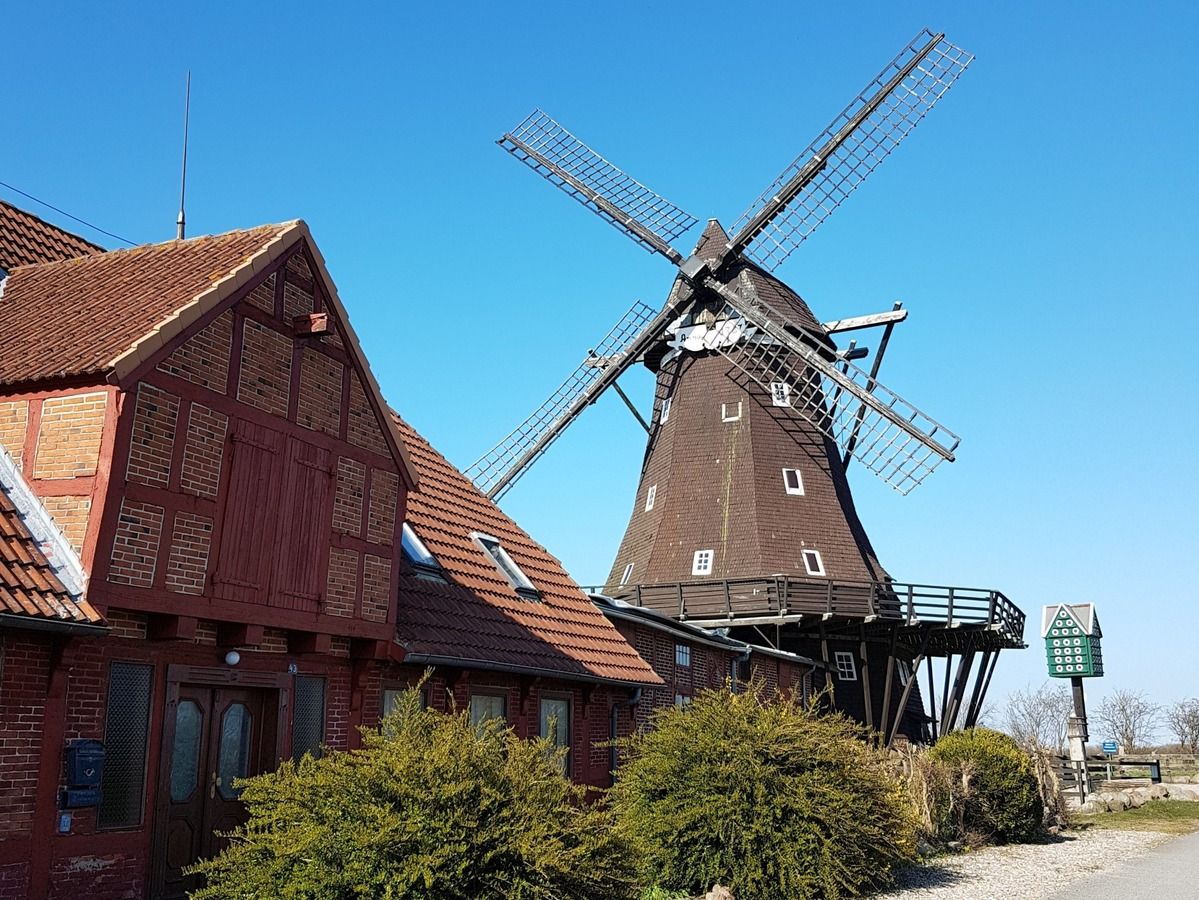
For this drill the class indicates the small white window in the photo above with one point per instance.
(780, 393)
(628, 572)
(812, 562)
(507, 566)
(793, 481)
(847, 669)
(730, 412)
(682, 654)
(701, 563)
(665, 411)
(650, 496)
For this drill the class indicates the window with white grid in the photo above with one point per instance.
(650, 496)
(847, 667)
(701, 563)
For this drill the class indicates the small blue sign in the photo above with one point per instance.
(1110, 747)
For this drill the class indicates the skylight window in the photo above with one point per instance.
(812, 562)
(418, 555)
(507, 566)
(650, 496)
(730, 412)
(626, 575)
(780, 393)
(793, 481)
(701, 563)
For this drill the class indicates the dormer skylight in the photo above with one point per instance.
(422, 561)
(507, 566)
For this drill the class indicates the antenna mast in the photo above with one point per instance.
(181, 222)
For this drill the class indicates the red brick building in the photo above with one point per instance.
(219, 549)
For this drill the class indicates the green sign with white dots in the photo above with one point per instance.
(1072, 635)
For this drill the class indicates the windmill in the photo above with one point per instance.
(756, 405)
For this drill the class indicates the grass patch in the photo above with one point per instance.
(1167, 816)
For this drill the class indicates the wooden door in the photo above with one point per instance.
(220, 734)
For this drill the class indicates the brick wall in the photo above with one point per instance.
(112, 876)
(153, 442)
(319, 403)
(68, 441)
(24, 671)
(342, 582)
(203, 451)
(187, 566)
(14, 422)
(265, 378)
(381, 521)
(204, 359)
(363, 429)
(71, 515)
(135, 545)
(376, 588)
(347, 502)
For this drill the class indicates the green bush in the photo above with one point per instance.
(989, 790)
(761, 796)
(431, 808)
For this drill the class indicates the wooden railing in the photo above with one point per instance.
(789, 596)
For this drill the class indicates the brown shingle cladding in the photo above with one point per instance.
(29, 587)
(720, 484)
(75, 317)
(477, 617)
(27, 240)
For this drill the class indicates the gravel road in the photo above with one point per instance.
(1026, 871)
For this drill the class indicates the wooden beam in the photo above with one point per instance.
(239, 634)
(368, 649)
(932, 694)
(886, 717)
(308, 642)
(907, 690)
(866, 680)
(171, 627)
(856, 323)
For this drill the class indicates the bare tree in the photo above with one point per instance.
(1182, 718)
(1037, 718)
(1128, 716)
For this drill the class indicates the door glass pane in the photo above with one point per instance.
(185, 758)
(233, 759)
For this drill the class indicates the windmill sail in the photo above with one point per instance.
(848, 150)
(554, 153)
(888, 435)
(500, 467)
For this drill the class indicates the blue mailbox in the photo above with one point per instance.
(84, 766)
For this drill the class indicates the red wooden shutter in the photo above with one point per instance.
(305, 523)
(251, 512)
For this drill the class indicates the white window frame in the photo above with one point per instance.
(650, 496)
(780, 393)
(797, 491)
(665, 414)
(702, 561)
(807, 561)
(846, 665)
(628, 573)
(682, 701)
(494, 550)
(682, 655)
(724, 412)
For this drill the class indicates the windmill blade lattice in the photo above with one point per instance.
(551, 151)
(497, 470)
(844, 154)
(888, 435)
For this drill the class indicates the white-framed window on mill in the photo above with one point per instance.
(730, 412)
(780, 393)
(701, 563)
(650, 496)
(665, 411)
(626, 574)
(793, 481)
(812, 562)
(847, 667)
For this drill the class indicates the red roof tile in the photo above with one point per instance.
(477, 617)
(27, 240)
(77, 316)
(29, 587)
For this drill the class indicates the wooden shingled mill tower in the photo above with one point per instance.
(743, 518)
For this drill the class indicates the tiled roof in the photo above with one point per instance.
(78, 316)
(477, 617)
(27, 240)
(29, 587)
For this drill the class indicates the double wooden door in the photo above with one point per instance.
(220, 734)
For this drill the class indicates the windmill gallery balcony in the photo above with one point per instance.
(952, 617)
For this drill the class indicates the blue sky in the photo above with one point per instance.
(1039, 225)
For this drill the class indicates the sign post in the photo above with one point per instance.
(1072, 650)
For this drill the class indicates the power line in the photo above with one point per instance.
(63, 212)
